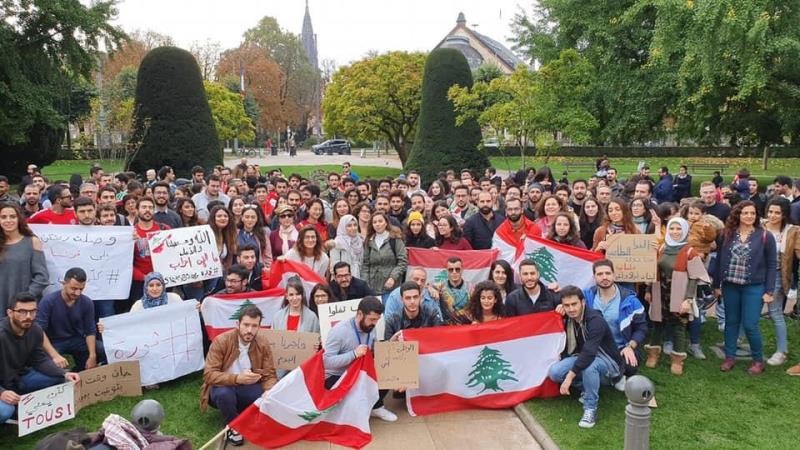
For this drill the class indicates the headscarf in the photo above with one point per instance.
(353, 244)
(684, 233)
(152, 302)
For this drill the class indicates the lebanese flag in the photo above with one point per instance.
(221, 311)
(300, 408)
(282, 271)
(494, 365)
(476, 263)
(564, 264)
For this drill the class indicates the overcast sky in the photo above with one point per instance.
(346, 29)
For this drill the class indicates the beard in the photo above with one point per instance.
(485, 210)
(364, 327)
(514, 217)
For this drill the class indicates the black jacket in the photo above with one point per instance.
(20, 353)
(479, 232)
(518, 303)
(593, 338)
(358, 289)
(254, 280)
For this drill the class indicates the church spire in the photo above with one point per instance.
(309, 39)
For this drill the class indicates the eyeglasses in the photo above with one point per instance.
(454, 269)
(233, 280)
(284, 216)
(25, 312)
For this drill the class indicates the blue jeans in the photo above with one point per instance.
(775, 310)
(30, 382)
(743, 303)
(589, 381)
(76, 346)
(232, 400)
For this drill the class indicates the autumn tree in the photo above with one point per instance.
(377, 98)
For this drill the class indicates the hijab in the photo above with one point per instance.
(152, 302)
(673, 244)
(353, 244)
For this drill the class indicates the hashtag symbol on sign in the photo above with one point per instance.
(113, 276)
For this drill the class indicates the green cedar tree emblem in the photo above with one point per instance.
(545, 263)
(238, 313)
(440, 277)
(309, 416)
(489, 370)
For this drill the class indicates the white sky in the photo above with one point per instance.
(346, 29)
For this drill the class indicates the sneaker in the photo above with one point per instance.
(777, 359)
(235, 438)
(756, 368)
(581, 399)
(794, 370)
(667, 348)
(589, 418)
(383, 414)
(727, 365)
(620, 385)
(697, 351)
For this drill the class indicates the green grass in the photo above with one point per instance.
(63, 168)
(702, 409)
(180, 399)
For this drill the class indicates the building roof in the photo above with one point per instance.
(508, 58)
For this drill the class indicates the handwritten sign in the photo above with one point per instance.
(634, 257)
(104, 252)
(291, 348)
(397, 364)
(332, 313)
(166, 340)
(186, 254)
(46, 407)
(106, 383)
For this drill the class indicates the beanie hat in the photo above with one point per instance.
(415, 215)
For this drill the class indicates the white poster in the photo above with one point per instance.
(332, 313)
(166, 340)
(46, 407)
(104, 252)
(184, 255)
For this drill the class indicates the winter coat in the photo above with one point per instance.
(383, 263)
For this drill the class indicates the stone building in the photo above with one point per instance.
(478, 48)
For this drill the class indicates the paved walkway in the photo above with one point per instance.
(307, 158)
(460, 430)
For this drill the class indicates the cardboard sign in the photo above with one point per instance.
(634, 257)
(104, 252)
(397, 364)
(291, 348)
(184, 255)
(106, 383)
(332, 313)
(46, 407)
(166, 340)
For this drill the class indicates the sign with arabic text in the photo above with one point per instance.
(634, 257)
(185, 255)
(332, 313)
(105, 383)
(104, 252)
(46, 407)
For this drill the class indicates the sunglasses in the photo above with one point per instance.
(283, 216)
(454, 269)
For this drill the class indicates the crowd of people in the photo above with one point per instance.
(733, 242)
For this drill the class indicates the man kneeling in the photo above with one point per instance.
(239, 369)
(591, 355)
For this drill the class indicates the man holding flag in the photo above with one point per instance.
(352, 339)
(509, 236)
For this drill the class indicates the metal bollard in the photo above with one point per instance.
(640, 391)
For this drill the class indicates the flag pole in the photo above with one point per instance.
(208, 445)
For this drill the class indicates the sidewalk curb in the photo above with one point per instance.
(535, 428)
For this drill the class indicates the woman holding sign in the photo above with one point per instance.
(618, 220)
(22, 264)
(294, 315)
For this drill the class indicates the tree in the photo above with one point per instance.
(489, 370)
(207, 54)
(486, 72)
(377, 98)
(440, 144)
(47, 51)
(227, 109)
(132, 51)
(238, 313)
(173, 124)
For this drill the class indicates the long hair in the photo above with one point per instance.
(442, 192)
(785, 207)
(300, 247)
(22, 225)
(297, 285)
(191, 221)
(627, 219)
(316, 201)
(336, 216)
(508, 286)
(227, 235)
(393, 231)
(572, 236)
(258, 228)
(734, 218)
(540, 206)
(312, 304)
(455, 235)
(584, 219)
(647, 215)
(474, 306)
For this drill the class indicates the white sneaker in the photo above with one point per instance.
(777, 359)
(384, 414)
(589, 418)
(620, 385)
(697, 351)
(667, 348)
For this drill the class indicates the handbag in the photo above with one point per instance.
(705, 298)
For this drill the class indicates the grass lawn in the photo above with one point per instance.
(704, 408)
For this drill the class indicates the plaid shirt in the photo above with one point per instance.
(739, 267)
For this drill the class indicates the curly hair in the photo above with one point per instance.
(572, 235)
(474, 307)
(734, 218)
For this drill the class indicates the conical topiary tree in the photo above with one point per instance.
(440, 144)
(172, 123)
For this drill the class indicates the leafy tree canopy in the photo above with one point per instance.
(227, 109)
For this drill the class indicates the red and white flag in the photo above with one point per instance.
(282, 271)
(300, 408)
(222, 311)
(564, 264)
(492, 365)
(475, 263)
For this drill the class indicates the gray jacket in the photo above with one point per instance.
(308, 320)
(380, 264)
(341, 344)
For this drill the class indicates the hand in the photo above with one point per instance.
(436, 249)
(396, 336)
(247, 377)
(602, 245)
(100, 327)
(655, 219)
(389, 284)
(554, 286)
(73, 377)
(10, 397)
(718, 293)
(648, 297)
(629, 355)
(686, 307)
(402, 389)
(361, 350)
(434, 292)
(91, 361)
(564, 389)
(281, 258)
(767, 298)
(560, 309)
(60, 361)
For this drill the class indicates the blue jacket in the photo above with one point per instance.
(763, 259)
(663, 189)
(632, 320)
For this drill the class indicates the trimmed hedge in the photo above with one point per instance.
(654, 152)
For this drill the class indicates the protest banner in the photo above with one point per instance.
(634, 257)
(105, 383)
(332, 313)
(397, 364)
(291, 348)
(104, 252)
(45, 407)
(184, 255)
(166, 340)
